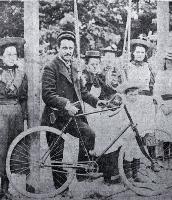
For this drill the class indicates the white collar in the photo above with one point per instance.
(67, 64)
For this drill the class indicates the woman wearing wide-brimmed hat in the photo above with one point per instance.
(13, 94)
(138, 70)
(163, 95)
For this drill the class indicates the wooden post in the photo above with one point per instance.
(162, 28)
(31, 35)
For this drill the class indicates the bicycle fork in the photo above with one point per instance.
(138, 138)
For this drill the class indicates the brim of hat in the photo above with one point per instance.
(111, 51)
(92, 56)
(127, 85)
(12, 40)
(108, 50)
(168, 57)
(168, 54)
(66, 35)
(144, 43)
(85, 57)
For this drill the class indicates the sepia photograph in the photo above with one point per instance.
(85, 99)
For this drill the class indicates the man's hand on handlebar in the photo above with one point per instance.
(102, 103)
(72, 110)
(114, 102)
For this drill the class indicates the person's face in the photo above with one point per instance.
(66, 49)
(10, 56)
(108, 60)
(94, 65)
(132, 96)
(109, 56)
(139, 53)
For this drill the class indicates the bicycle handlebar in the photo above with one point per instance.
(98, 111)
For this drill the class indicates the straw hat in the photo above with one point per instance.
(144, 43)
(12, 41)
(18, 42)
(124, 87)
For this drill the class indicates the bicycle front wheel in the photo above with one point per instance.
(39, 161)
(140, 175)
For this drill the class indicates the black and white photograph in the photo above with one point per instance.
(85, 99)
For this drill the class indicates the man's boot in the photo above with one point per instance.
(166, 147)
(152, 151)
(128, 169)
(135, 169)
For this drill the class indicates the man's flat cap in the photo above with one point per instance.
(18, 41)
(66, 35)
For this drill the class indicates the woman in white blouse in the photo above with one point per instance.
(138, 70)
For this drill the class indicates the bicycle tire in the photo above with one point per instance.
(23, 159)
(153, 182)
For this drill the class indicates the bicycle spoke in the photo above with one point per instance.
(60, 175)
(14, 164)
(57, 147)
(59, 182)
(15, 160)
(28, 174)
(17, 155)
(23, 169)
(22, 148)
(57, 154)
(21, 153)
(25, 146)
(47, 153)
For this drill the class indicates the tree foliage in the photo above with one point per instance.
(11, 18)
(101, 21)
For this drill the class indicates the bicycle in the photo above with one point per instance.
(156, 181)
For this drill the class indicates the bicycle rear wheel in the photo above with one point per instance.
(37, 169)
(140, 175)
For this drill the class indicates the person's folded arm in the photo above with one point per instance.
(89, 98)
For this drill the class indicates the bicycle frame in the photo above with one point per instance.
(130, 124)
(137, 136)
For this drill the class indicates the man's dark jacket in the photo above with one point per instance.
(58, 87)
